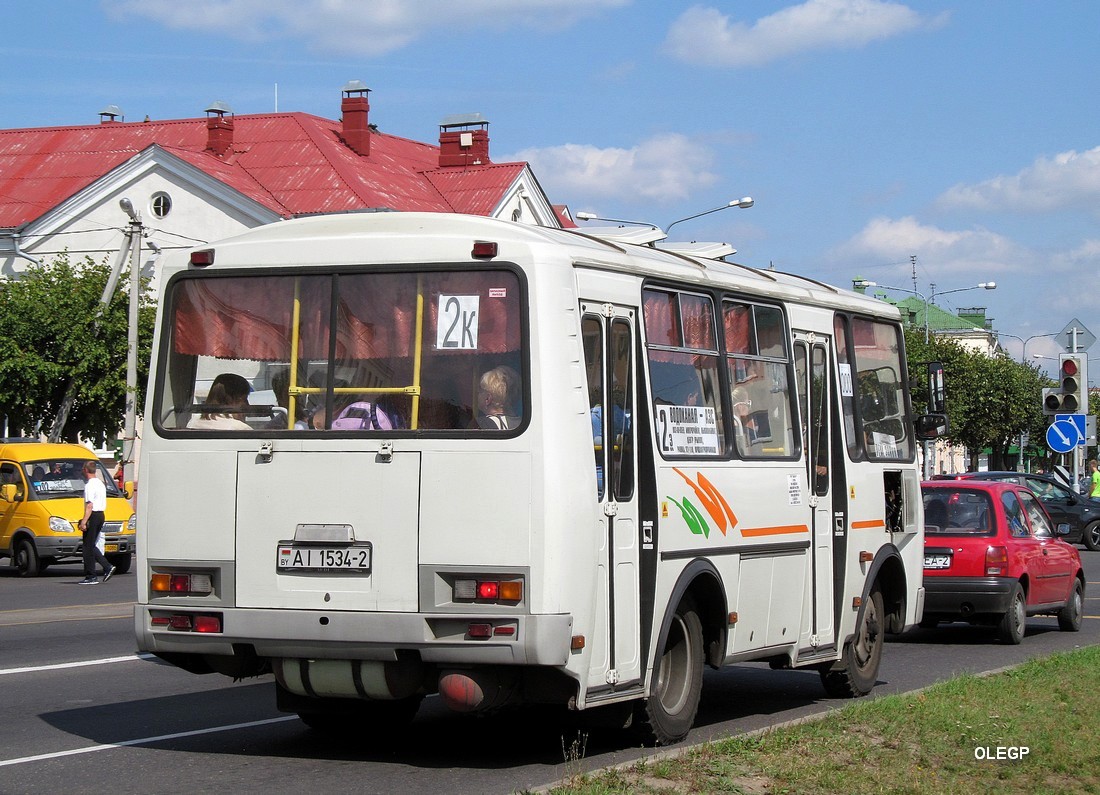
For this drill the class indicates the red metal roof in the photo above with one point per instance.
(289, 162)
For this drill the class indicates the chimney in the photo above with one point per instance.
(109, 114)
(219, 128)
(355, 110)
(464, 140)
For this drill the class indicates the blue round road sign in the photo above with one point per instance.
(1062, 436)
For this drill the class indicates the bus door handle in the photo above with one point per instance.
(610, 509)
(385, 452)
(265, 453)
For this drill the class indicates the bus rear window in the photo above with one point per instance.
(343, 353)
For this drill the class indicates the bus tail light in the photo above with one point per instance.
(996, 561)
(210, 623)
(181, 584)
(483, 630)
(468, 589)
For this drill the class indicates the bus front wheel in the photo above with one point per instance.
(856, 672)
(669, 713)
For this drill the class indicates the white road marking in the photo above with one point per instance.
(80, 664)
(144, 740)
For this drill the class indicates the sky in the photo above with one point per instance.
(929, 145)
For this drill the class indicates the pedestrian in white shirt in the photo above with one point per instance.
(95, 503)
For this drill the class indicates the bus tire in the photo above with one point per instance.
(668, 714)
(856, 672)
(26, 558)
(387, 715)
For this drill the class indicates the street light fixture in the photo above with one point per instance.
(1024, 341)
(744, 203)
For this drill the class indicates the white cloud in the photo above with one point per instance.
(1066, 180)
(353, 26)
(706, 36)
(977, 252)
(663, 168)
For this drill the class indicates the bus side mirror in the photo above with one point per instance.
(931, 426)
(937, 393)
(7, 492)
(128, 489)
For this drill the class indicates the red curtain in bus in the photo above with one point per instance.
(251, 317)
(677, 320)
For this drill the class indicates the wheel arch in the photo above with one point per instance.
(888, 572)
(701, 580)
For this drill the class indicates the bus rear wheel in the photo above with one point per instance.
(669, 713)
(856, 672)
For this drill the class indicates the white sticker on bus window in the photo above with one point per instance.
(885, 445)
(845, 371)
(687, 430)
(456, 326)
(498, 292)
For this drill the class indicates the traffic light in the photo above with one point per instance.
(1070, 396)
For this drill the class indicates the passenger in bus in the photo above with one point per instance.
(497, 399)
(224, 405)
(280, 385)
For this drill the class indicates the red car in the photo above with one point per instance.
(992, 557)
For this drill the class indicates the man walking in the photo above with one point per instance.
(95, 503)
(1094, 480)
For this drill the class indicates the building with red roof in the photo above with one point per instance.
(200, 179)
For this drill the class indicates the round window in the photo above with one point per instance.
(161, 204)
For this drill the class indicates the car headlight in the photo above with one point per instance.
(59, 525)
(131, 526)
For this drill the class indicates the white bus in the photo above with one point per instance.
(503, 463)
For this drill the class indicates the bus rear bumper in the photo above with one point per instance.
(437, 639)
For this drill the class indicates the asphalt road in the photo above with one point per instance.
(81, 712)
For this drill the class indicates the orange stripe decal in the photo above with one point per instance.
(868, 524)
(756, 532)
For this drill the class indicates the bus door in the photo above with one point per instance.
(609, 348)
(814, 379)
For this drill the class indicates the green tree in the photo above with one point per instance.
(990, 399)
(49, 334)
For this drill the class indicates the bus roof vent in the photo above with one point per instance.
(638, 235)
(703, 249)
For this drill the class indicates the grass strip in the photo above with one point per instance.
(1033, 728)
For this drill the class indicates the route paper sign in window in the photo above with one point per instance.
(688, 430)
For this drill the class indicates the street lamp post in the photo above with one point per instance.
(744, 203)
(863, 283)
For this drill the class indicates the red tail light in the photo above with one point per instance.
(996, 562)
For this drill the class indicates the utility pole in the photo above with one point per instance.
(129, 432)
(131, 247)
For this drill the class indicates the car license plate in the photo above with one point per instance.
(110, 547)
(354, 558)
(937, 561)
